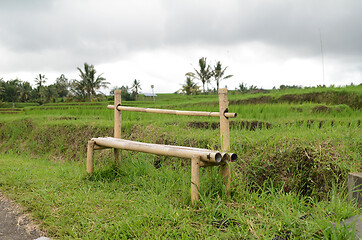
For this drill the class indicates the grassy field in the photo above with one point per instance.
(295, 150)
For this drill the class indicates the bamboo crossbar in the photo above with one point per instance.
(225, 156)
(174, 112)
(159, 149)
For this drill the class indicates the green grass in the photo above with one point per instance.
(140, 201)
(290, 179)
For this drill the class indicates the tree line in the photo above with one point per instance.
(85, 88)
(204, 73)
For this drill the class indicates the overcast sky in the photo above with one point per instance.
(263, 43)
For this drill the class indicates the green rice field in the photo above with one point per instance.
(295, 149)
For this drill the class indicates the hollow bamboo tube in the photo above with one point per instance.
(227, 157)
(224, 156)
(195, 179)
(90, 153)
(117, 123)
(158, 149)
(174, 112)
(224, 134)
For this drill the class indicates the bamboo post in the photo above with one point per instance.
(90, 161)
(195, 179)
(117, 123)
(224, 134)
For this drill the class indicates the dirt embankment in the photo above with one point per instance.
(329, 97)
(249, 125)
(310, 168)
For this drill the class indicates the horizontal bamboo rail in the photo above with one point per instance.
(174, 112)
(225, 156)
(159, 149)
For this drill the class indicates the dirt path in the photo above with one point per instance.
(14, 224)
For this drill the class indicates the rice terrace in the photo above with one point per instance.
(295, 150)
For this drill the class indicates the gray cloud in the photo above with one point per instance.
(62, 34)
(292, 25)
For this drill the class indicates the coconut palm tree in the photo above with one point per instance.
(25, 91)
(218, 74)
(79, 88)
(136, 85)
(40, 80)
(190, 87)
(91, 81)
(204, 74)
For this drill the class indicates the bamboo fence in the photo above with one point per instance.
(199, 157)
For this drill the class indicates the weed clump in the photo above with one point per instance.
(309, 169)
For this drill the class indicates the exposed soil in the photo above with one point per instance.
(328, 97)
(73, 104)
(9, 112)
(65, 118)
(10, 109)
(257, 100)
(254, 125)
(14, 223)
(62, 108)
(250, 125)
(297, 109)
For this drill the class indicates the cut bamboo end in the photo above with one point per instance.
(217, 156)
(233, 157)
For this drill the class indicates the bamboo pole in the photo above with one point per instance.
(158, 149)
(224, 156)
(174, 112)
(224, 134)
(195, 179)
(90, 154)
(117, 123)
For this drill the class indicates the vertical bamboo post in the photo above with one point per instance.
(195, 179)
(117, 123)
(224, 133)
(90, 152)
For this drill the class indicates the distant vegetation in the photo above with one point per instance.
(86, 88)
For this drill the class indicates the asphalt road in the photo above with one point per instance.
(14, 224)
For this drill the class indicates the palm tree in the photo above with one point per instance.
(40, 80)
(91, 81)
(136, 85)
(204, 74)
(218, 73)
(25, 91)
(190, 87)
(78, 88)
